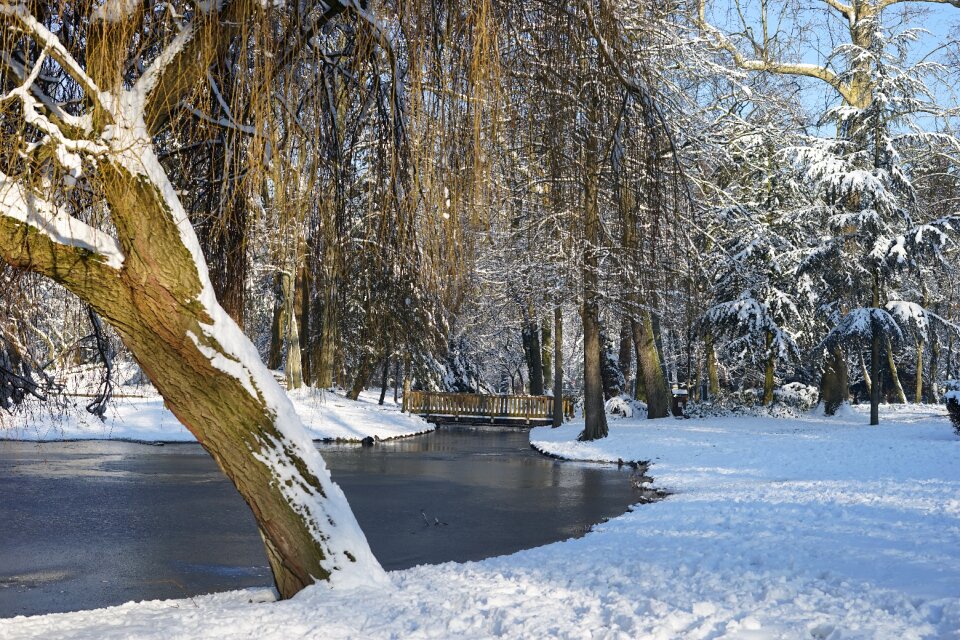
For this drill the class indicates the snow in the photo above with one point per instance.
(18, 203)
(116, 10)
(810, 527)
(138, 414)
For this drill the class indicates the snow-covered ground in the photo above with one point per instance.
(806, 528)
(139, 414)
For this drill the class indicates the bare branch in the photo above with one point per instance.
(58, 52)
(723, 43)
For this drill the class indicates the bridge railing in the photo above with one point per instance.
(473, 405)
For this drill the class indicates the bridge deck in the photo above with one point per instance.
(473, 408)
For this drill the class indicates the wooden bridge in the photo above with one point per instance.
(476, 408)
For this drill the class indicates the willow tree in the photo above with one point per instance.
(85, 202)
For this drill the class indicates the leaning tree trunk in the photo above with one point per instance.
(152, 285)
(649, 367)
(894, 376)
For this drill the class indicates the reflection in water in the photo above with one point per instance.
(107, 522)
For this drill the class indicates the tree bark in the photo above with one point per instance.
(934, 391)
(894, 376)
(557, 366)
(533, 352)
(363, 374)
(834, 381)
(594, 413)
(546, 350)
(325, 360)
(396, 380)
(713, 379)
(649, 367)
(385, 379)
(625, 355)
(768, 374)
(292, 370)
(918, 392)
(304, 296)
(278, 328)
(875, 359)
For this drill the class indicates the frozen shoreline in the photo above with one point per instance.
(141, 417)
(776, 528)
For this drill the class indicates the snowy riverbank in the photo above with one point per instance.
(801, 528)
(139, 414)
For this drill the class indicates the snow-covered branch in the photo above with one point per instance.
(721, 42)
(57, 51)
(20, 204)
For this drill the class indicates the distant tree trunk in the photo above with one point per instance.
(385, 379)
(396, 380)
(875, 358)
(950, 356)
(768, 375)
(407, 384)
(595, 417)
(292, 368)
(834, 381)
(649, 367)
(546, 350)
(325, 362)
(713, 379)
(304, 298)
(278, 328)
(934, 393)
(867, 378)
(557, 366)
(625, 355)
(875, 376)
(531, 347)
(363, 374)
(918, 394)
(894, 376)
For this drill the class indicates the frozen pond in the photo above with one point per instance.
(91, 524)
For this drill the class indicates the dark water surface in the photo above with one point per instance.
(92, 524)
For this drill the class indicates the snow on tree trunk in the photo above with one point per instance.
(152, 285)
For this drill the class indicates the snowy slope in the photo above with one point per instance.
(141, 415)
(809, 528)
